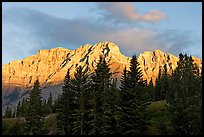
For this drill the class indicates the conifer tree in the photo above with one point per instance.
(158, 86)
(164, 80)
(80, 85)
(101, 100)
(18, 110)
(114, 99)
(151, 91)
(50, 104)
(45, 107)
(8, 112)
(65, 108)
(134, 102)
(34, 118)
(186, 97)
(55, 105)
(24, 107)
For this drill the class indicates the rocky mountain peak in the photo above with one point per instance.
(50, 66)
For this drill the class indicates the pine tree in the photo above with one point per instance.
(50, 104)
(185, 98)
(150, 90)
(18, 110)
(164, 80)
(65, 108)
(134, 102)
(55, 105)
(34, 118)
(8, 112)
(101, 100)
(45, 107)
(158, 86)
(24, 108)
(80, 85)
(114, 104)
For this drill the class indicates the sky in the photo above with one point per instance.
(136, 27)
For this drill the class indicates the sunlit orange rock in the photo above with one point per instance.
(50, 66)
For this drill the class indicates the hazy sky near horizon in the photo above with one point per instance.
(172, 27)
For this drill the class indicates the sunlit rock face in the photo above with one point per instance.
(50, 66)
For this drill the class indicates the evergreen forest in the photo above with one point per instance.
(93, 104)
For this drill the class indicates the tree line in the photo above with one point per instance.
(91, 104)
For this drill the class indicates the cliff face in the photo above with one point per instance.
(50, 66)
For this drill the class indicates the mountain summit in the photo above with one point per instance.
(50, 67)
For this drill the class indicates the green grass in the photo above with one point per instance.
(8, 124)
(160, 119)
(49, 126)
(157, 106)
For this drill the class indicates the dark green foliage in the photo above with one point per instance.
(160, 119)
(134, 101)
(115, 103)
(18, 110)
(24, 108)
(80, 85)
(48, 106)
(8, 112)
(19, 128)
(110, 107)
(164, 83)
(186, 97)
(65, 108)
(13, 126)
(158, 86)
(151, 90)
(55, 105)
(50, 126)
(102, 113)
(45, 108)
(34, 117)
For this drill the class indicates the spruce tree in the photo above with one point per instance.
(186, 97)
(50, 104)
(24, 107)
(55, 105)
(18, 110)
(101, 99)
(151, 91)
(158, 86)
(45, 107)
(8, 112)
(80, 85)
(114, 105)
(65, 108)
(134, 101)
(164, 80)
(34, 117)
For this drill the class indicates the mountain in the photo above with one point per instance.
(50, 67)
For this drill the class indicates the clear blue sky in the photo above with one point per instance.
(172, 27)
